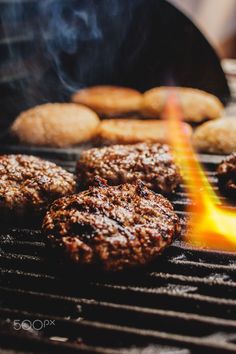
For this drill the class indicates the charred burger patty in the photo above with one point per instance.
(227, 175)
(153, 164)
(29, 184)
(113, 227)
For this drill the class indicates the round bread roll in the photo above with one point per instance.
(55, 124)
(129, 131)
(196, 105)
(108, 100)
(217, 136)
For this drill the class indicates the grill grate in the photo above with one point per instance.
(183, 303)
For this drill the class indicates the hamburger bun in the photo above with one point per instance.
(55, 124)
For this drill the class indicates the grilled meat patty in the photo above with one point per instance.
(153, 164)
(29, 184)
(112, 227)
(227, 175)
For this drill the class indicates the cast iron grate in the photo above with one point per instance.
(183, 303)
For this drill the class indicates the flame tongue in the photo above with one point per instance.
(211, 225)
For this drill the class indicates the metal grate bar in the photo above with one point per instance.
(166, 299)
(91, 308)
(101, 333)
(53, 345)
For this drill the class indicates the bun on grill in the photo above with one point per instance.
(109, 100)
(197, 105)
(217, 136)
(56, 124)
(131, 131)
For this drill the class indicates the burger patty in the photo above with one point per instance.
(153, 164)
(29, 184)
(227, 175)
(112, 227)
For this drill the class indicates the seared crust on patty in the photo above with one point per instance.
(131, 131)
(56, 124)
(112, 228)
(196, 105)
(153, 164)
(29, 184)
(227, 176)
(217, 136)
(109, 99)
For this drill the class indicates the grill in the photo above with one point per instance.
(183, 303)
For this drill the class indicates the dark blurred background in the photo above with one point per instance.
(50, 48)
(217, 20)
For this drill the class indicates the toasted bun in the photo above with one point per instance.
(196, 105)
(56, 124)
(128, 131)
(217, 136)
(109, 99)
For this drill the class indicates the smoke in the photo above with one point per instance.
(65, 27)
(54, 47)
(22, 63)
(82, 38)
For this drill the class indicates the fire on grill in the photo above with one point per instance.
(211, 224)
(132, 180)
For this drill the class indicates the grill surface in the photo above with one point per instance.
(183, 303)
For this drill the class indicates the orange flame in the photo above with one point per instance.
(211, 225)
